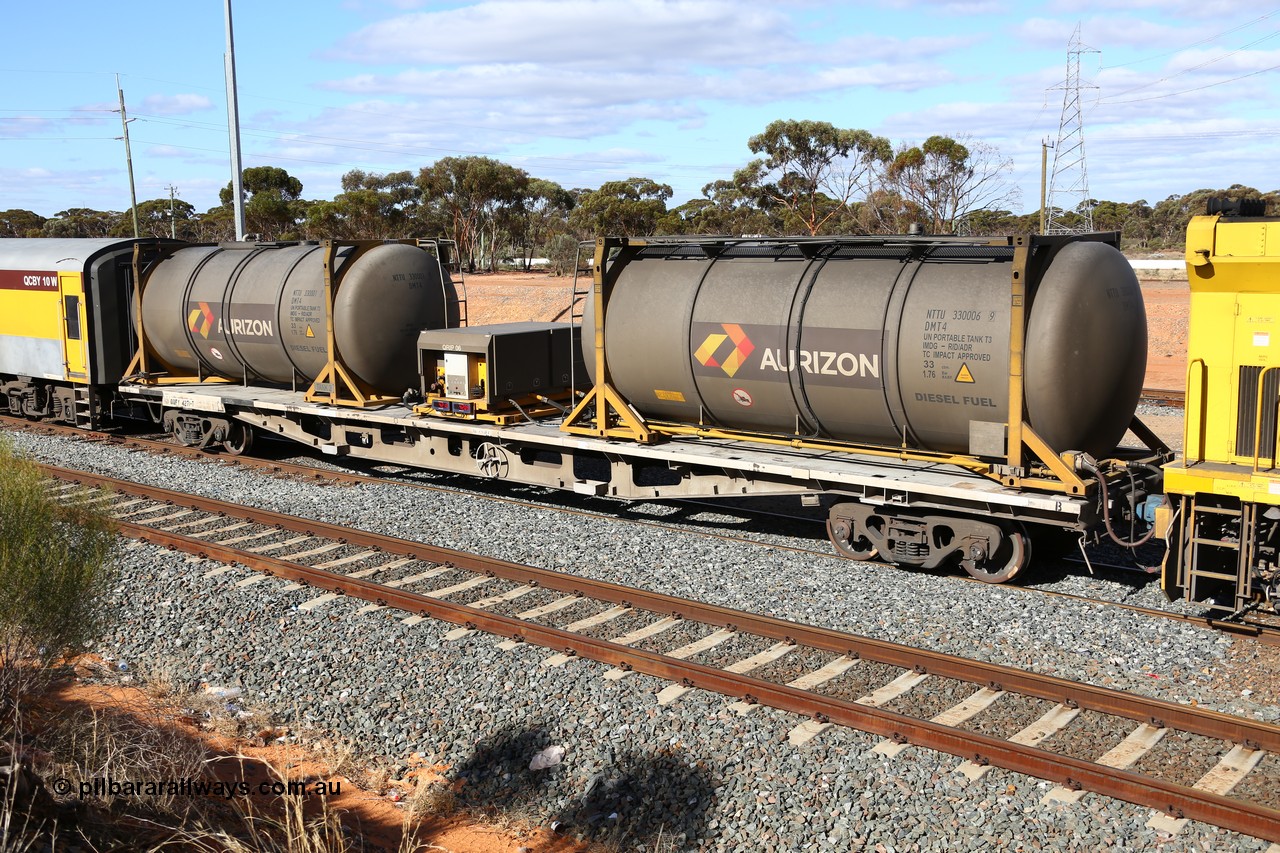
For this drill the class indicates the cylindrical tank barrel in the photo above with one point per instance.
(258, 312)
(880, 343)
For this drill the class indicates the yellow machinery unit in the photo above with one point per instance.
(500, 373)
(1222, 518)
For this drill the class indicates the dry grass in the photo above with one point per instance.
(435, 798)
(124, 744)
(293, 827)
(55, 563)
(339, 759)
(287, 829)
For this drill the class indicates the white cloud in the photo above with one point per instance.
(576, 31)
(558, 88)
(175, 105)
(968, 8)
(653, 35)
(582, 68)
(1219, 10)
(25, 188)
(24, 126)
(170, 151)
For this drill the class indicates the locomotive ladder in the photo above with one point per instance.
(82, 411)
(1208, 555)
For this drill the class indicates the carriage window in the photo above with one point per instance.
(71, 305)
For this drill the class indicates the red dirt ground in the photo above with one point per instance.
(378, 817)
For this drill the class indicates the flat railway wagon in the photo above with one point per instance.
(946, 398)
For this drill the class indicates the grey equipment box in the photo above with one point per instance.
(505, 361)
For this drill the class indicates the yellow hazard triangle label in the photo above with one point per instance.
(311, 334)
(964, 375)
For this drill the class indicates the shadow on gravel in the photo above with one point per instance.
(1056, 559)
(636, 799)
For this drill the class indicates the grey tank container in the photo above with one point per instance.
(877, 343)
(258, 312)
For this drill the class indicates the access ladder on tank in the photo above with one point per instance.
(582, 287)
(446, 255)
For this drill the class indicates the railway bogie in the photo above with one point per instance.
(991, 550)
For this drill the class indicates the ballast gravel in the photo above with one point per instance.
(691, 776)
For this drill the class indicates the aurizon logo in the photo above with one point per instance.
(742, 347)
(194, 320)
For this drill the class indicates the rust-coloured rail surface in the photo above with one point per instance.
(1180, 800)
(1260, 631)
(1164, 396)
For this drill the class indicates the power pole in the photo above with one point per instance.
(1044, 160)
(173, 222)
(1069, 183)
(128, 156)
(233, 122)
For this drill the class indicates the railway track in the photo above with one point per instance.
(1163, 397)
(1259, 630)
(828, 677)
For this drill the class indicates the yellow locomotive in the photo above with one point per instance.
(1222, 515)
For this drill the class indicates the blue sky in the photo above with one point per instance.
(1182, 94)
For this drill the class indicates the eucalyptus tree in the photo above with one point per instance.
(370, 207)
(273, 209)
(542, 216)
(161, 217)
(21, 223)
(630, 208)
(81, 222)
(474, 196)
(726, 208)
(811, 171)
(948, 179)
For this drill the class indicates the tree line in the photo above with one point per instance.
(807, 178)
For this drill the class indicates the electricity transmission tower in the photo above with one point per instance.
(1069, 183)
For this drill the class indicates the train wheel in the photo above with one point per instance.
(841, 534)
(239, 439)
(1007, 562)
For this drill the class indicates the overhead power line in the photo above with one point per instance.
(1188, 70)
(1207, 40)
(1189, 91)
(401, 149)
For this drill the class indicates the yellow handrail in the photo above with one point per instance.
(1257, 420)
(1186, 420)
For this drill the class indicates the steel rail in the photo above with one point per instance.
(1164, 396)
(1261, 632)
(1180, 801)
(1159, 713)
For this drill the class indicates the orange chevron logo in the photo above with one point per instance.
(742, 347)
(194, 318)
